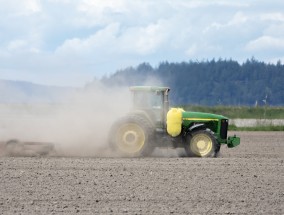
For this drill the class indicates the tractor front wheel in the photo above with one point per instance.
(201, 143)
(131, 136)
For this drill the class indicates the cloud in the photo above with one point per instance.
(91, 38)
(96, 12)
(265, 43)
(98, 8)
(239, 18)
(17, 44)
(114, 40)
(144, 40)
(20, 8)
(272, 17)
(102, 38)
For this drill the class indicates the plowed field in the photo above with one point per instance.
(248, 179)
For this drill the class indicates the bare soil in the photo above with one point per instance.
(248, 179)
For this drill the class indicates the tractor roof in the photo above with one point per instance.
(149, 88)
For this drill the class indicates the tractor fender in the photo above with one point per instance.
(196, 127)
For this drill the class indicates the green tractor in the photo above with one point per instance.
(152, 124)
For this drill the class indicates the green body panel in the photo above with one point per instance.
(199, 116)
(211, 121)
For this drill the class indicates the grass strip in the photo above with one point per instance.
(257, 128)
(241, 112)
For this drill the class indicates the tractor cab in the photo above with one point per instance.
(153, 101)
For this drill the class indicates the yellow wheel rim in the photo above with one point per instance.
(130, 138)
(201, 144)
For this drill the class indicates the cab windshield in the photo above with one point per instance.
(148, 100)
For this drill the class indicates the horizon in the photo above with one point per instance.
(135, 67)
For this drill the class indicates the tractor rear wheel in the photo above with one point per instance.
(201, 143)
(131, 136)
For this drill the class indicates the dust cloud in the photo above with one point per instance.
(79, 125)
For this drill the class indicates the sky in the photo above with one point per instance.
(73, 42)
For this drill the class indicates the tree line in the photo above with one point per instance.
(210, 83)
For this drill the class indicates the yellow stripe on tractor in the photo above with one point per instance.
(200, 119)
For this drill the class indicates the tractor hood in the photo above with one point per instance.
(199, 116)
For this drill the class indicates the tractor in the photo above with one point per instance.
(152, 123)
